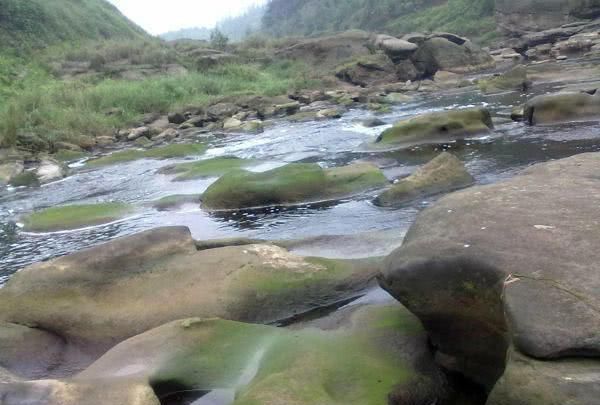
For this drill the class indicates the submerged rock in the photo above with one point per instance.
(373, 122)
(173, 202)
(98, 297)
(511, 264)
(74, 216)
(291, 184)
(205, 168)
(436, 127)
(561, 107)
(444, 173)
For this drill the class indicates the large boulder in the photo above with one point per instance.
(328, 51)
(511, 265)
(98, 297)
(368, 71)
(369, 354)
(437, 127)
(444, 173)
(561, 107)
(290, 184)
(442, 53)
(520, 16)
(396, 49)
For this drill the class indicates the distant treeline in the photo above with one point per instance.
(279, 18)
(317, 17)
(235, 28)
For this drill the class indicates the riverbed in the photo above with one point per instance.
(511, 147)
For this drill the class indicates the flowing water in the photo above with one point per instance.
(329, 143)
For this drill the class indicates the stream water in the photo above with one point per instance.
(330, 143)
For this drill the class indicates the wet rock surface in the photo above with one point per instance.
(509, 265)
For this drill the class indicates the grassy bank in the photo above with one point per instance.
(36, 102)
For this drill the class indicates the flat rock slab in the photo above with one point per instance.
(527, 248)
(101, 296)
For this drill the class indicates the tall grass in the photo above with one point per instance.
(60, 110)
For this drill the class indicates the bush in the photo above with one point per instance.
(218, 40)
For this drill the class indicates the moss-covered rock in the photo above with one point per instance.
(372, 353)
(74, 216)
(67, 156)
(25, 179)
(291, 184)
(444, 173)
(163, 152)
(175, 201)
(561, 107)
(436, 127)
(99, 297)
(205, 168)
(515, 79)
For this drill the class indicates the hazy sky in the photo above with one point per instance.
(159, 16)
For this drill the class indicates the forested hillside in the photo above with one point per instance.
(34, 23)
(474, 18)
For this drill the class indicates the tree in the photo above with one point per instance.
(218, 40)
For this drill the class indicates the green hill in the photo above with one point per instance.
(474, 18)
(37, 23)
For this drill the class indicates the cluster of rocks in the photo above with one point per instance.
(575, 39)
(413, 57)
(118, 346)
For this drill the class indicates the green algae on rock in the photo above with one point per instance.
(175, 201)
(290, 184)
(374, 352)
(163, 152)
(116, 286)
(514, 79)
(562, 107)
(74, 216)
(205, 168)
(25, 179)
(436, 127)
(444, 173)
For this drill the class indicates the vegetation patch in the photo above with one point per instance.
(74, 216)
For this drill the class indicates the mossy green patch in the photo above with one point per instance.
(174, 201)
(436, 127)
(290, 184)
(205, 168)
(514, 79)
(360, 362)
(69, 155)
(443, 173)
(163, 152)
(74, 216)
(25, 179)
